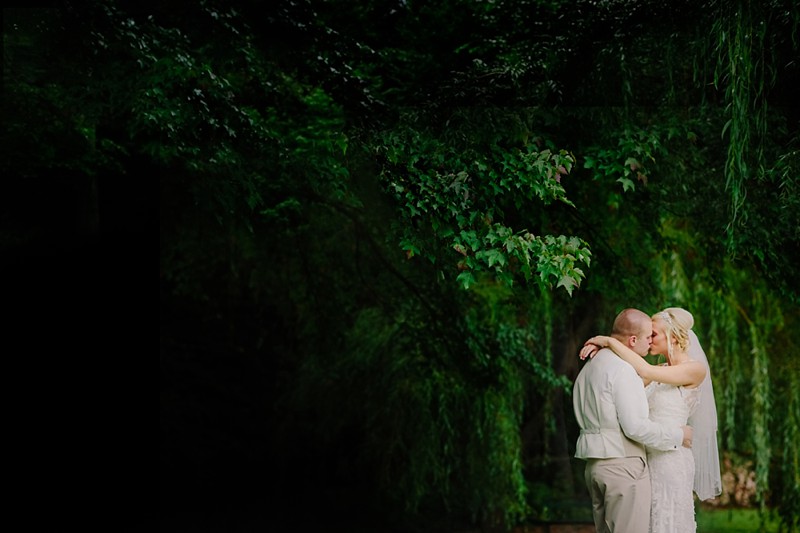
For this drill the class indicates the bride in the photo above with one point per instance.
(677, 392)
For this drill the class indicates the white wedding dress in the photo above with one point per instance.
(671, 472)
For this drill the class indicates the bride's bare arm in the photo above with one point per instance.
(689, 373)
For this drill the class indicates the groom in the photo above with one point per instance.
(611, 408)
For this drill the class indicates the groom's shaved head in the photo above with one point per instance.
(630, 322)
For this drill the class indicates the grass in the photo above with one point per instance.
(709, 519)
(733, 521)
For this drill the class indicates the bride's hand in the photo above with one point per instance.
(588, 350)
(592, 346)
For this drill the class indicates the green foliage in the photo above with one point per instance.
(433, 423)
(733, 328)
(46, 110)
(368, 168)
(460, 198)
(627, 163)
(333, 176)
(789, 455)
(751, 46)
(741, 43)
(761, 415)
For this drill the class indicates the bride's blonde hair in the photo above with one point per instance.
(677, 323)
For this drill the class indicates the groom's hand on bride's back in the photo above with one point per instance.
(687, 436)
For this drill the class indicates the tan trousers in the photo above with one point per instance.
(620, 490)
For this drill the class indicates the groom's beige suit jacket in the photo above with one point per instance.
(611, 408)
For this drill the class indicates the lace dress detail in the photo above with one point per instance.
(671, 472)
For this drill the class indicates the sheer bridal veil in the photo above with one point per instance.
(707, 480)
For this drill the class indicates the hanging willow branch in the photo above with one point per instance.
(741, 69)
(738, 315)
(761, 407)
(790, 464)
(727, 358)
